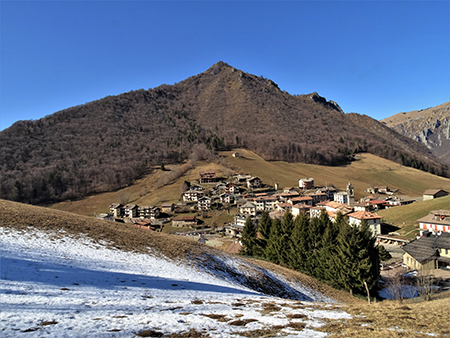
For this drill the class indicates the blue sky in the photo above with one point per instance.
(372, 57)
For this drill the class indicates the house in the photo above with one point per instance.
(116, 210)
(332, 208)
(306, 183)
(328, 191)
(187, 221)
(254, 183)
(226, 198)
(304, 200)
(373, 220)
(436, 220)
(434, 193)
(130, 210)
(191, 195)
(167, 207)
(284, 207)
(248, 209)
(428, 252)
(264, 202)
(150, 212)
(207, 177)
(362, 206)
(317, 197)
(299, 208)
(231, 188)
(241, 178)
(384, 189)
(204, 204)
(371, 190)
(340, 197)
(285, 196)
(397, 201)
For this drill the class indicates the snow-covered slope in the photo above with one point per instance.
(54, 285)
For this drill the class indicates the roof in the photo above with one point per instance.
(375, 202)
(425, 247)
(115, 205)
(208, 174)
(364, 215)
(301, 206)
(130, 206)
(165, 205)
(433, 191)
(437, 217)
(248, 205)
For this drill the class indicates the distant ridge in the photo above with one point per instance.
(107, 144)
(429, 126)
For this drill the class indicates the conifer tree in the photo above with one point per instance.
(272, 250)
(356, 258)
(287, 226)
(265, 224)
(328, 249)
(248, 238)
(299, 250)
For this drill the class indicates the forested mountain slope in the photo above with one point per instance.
(107, 144)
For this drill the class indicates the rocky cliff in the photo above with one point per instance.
(429, 126)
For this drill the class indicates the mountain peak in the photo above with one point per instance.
(218, 67)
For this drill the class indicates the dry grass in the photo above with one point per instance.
(392, 319)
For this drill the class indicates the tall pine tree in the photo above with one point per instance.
(248, 238)
(299, 250)
(356, 257)
(273, 248)
(265, 224)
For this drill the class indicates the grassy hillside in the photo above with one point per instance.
(366, 171)
(406, 216)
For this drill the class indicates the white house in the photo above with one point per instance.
(191, 195)
(248, 209)
(373, 220)
(204, 203)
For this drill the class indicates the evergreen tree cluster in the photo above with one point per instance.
(337, 253)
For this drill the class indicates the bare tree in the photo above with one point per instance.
(425, 281)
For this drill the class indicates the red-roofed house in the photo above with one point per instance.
(373, 220)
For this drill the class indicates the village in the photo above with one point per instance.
(243, 195)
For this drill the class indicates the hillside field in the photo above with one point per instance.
(368, 170)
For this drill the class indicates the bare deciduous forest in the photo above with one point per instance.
(107, 144)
